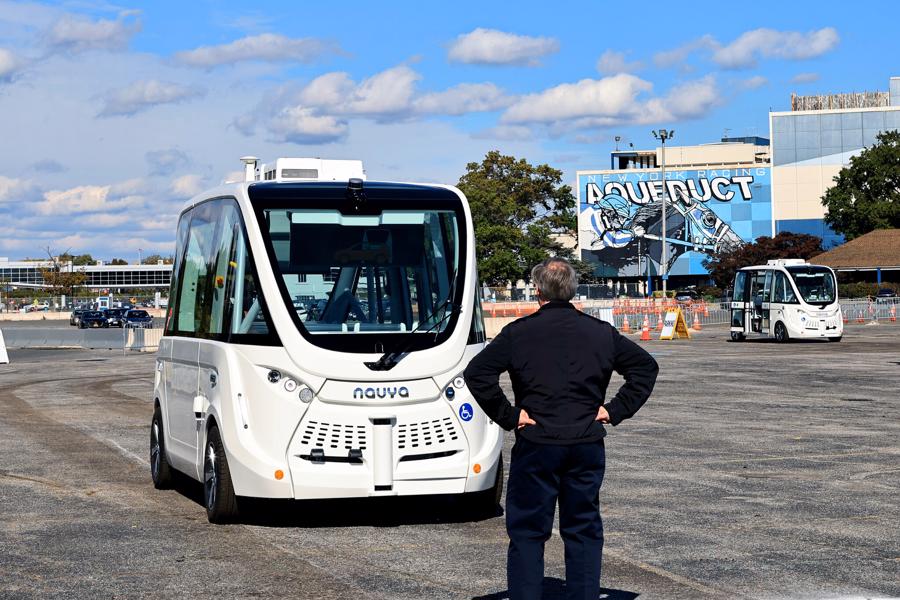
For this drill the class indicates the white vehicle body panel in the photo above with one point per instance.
(266, 428)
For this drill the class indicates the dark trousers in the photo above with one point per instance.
(539, 474)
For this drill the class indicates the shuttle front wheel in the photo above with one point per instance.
(737, 336)
(781, 333)
(160, 471)
(218, 492)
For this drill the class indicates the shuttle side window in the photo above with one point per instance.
(476, 332)
(194, 296)
(174, 288)
(778, 291)
(222, 266)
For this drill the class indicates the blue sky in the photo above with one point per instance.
(114, 114)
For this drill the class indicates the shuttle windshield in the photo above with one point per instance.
(815, 284)
(353, 276)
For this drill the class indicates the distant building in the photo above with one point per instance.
(816, 139)
(99, 276)
(728, 192)
(718, 195)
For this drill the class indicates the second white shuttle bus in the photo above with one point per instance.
(786, 299)
(316, 335)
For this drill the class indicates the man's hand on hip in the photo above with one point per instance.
(602, 416)
(524, 419)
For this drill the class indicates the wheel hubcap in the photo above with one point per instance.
(210, 477)
(154, 449)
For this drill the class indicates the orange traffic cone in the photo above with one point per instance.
(859, 317)
(846, 318)
(893, 314)
(645, 330)
(705, 310)
(659, 323)
(626, 328)
(696, 326)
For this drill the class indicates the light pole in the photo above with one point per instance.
(140, 256)
(662, 135)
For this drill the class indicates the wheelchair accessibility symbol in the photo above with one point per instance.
(465, 412)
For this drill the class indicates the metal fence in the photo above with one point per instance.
(45, 303)
(697, 313)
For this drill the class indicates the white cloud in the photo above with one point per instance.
(805, 78)
(677, 56)
(613, 101)
(48, 165)
(266, 47)
(517, 133)
(688, 100)
(92, 199)
(142, 95)
(187, 186)
(612, 63)
(301, 125)
(17, 190)
(103, 220)
(743, 52)
(9, 65)
(166, 162)
(757, 81)
(615, 97)
(385, 93)
(77, 34)
(493, 47)
(463, 98)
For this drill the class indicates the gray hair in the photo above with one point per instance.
(556, 279)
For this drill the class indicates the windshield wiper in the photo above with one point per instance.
(389, 360)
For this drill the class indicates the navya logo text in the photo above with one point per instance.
(381, 392)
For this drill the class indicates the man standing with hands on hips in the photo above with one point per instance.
(560, 361)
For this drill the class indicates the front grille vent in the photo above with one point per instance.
(427, 433)
(318, 434)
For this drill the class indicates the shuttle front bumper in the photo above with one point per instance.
(345, 451)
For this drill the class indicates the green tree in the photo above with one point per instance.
(866, 195)
(83, 260)
(155, 258)
(519, 210)
(118, 261)
(724, 265)
(58, 278)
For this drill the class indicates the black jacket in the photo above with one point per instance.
(560, 361)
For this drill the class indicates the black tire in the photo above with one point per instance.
(781, 334)
(218, 492)
(160, 471)
(837, 339)
(737, 336)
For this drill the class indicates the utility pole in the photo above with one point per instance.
(662, 135)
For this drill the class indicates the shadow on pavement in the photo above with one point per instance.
(349, 512)
(555, 589)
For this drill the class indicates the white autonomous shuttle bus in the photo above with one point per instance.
(787, 299)
(317, 331)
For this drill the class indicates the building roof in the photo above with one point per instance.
(876, 249)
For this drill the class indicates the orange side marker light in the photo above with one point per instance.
(279, 474)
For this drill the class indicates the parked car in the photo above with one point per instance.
(93, 318)
(686, 296)
(138, 319)
(885, 293)
(38, 306)
(116, 316)
(75, 317)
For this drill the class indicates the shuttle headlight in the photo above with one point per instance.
(306, 394)
(459, 382)
(274, 376)
(290, 385)
(450, 392)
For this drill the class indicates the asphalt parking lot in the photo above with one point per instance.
(756, 470)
